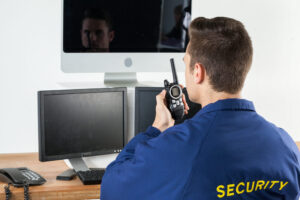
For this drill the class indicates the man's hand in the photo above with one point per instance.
(163, 118)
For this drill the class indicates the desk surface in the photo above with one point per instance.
(52, 189)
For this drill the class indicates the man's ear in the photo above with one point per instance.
(111, 35)
(199, 73)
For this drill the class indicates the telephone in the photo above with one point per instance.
(19, 177)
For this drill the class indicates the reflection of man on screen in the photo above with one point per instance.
(176, 32)
(96, 31)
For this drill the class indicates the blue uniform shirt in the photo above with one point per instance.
(226, 151)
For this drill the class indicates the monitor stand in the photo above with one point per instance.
(119, 78)
(111, 79)
(78, 164)
(126, 79)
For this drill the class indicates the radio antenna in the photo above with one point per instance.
(175, 80)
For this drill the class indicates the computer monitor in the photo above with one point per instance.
(83, 122)
(114, 36)
(145, 103)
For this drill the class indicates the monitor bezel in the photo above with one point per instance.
(41, 126)
(116, 62)
(137, 93)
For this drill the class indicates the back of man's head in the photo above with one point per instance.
(224, 48)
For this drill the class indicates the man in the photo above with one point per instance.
(174, 37)
(226, 151)
(96, 32)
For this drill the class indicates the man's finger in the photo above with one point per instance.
(186, 106)
(185, 112)
(161, 96)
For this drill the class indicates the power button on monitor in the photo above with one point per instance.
(128, 62)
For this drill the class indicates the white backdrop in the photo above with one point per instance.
(30, 61)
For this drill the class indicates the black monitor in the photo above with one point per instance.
(145, 102)
(83, 122)
(101, 26)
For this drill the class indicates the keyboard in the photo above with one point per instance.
(91, 177)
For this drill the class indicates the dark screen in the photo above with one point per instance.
(175, 91)
(133, 25)
(146, 103)
(145, 106)
(83, 122)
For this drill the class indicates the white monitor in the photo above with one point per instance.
(123, 36)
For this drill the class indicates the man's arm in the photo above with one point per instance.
(129, 150)
(149, 161)
(156, 168)
(162, 121)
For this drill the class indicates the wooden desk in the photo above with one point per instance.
(52, 189)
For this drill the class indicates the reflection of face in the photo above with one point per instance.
(97, 31)
(177, 17)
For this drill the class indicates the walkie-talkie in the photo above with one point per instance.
(174, 95)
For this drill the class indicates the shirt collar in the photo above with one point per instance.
(228, 104)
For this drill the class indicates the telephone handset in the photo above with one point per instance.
(19, 177)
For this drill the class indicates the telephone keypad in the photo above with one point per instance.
(30, 175)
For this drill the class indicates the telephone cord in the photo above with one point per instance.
(26, 191)
(7, 191)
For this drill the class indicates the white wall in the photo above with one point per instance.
(273, 82)
(30, 61)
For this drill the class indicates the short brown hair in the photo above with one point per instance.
(223, 46)
(98, 14)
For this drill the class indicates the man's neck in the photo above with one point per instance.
(215, 96)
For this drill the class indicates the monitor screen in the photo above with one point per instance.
(124, 36)
(145, 102)
(77, 123)
(125, 25)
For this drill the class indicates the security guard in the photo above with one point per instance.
(226, 151)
